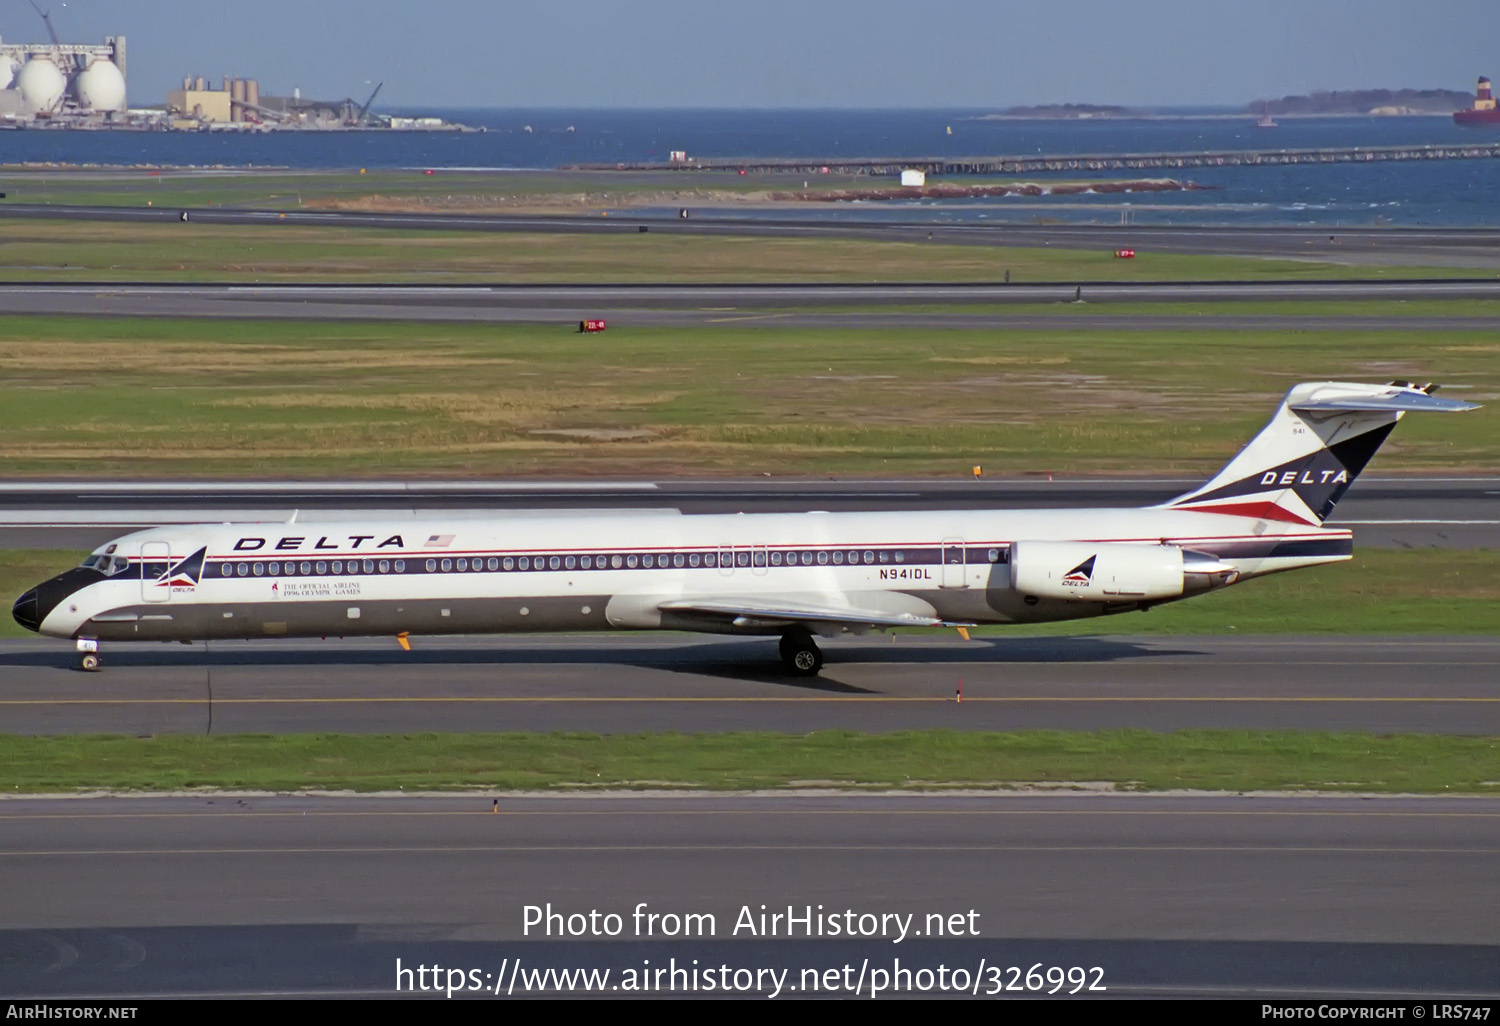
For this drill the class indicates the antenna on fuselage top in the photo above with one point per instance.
(293, 518)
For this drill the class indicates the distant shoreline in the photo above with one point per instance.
(1234, 116)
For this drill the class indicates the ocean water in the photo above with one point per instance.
(1435, 193)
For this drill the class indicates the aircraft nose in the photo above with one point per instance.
(25, 611)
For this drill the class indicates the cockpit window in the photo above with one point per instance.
(107, 565)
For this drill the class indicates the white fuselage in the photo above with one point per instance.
(612, 570)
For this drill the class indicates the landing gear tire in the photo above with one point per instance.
(89, 661)
(801, 655)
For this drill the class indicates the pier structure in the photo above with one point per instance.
(1058, 162)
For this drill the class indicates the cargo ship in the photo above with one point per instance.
(1484, 111)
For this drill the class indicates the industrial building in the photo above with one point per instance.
(42, 81)
(237, 102)
(82, 85)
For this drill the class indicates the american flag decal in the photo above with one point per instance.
(440, 539)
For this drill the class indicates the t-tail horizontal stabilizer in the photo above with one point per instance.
(1304, 460)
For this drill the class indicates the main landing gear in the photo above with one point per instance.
(801, 653)
(88, 655)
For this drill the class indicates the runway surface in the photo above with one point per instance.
(1384, 512)
(873, 305)
(660, 682)
(1450, 247)
(1181, 896)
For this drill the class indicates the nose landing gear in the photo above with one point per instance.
(88, 655)
(800, 653)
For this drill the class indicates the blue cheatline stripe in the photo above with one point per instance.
(744, 557)
(700, 558)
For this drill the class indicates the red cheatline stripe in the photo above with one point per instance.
(294, 556)
(1263, 510)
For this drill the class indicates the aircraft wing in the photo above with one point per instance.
(746, 612)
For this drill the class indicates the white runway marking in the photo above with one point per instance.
(1465, 523)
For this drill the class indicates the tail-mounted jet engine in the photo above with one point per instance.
(1113, 571)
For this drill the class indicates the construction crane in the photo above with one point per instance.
(46, 20)
(66, 63)
(359, 119)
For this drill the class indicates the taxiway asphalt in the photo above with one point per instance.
(646, 683)
(1383, 512)
(1079, 306)
(1441, 247)
(1306, 897)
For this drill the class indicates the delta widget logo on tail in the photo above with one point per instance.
(1082, 575)
(184, 573)
(1301, 490)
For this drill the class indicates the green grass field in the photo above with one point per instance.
(1214, 760)
(1417, 591)
(143, 396)
(558, 191)
(1483, 312)
(104, 251)
(283, 189)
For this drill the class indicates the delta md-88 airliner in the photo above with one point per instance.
(797, 575)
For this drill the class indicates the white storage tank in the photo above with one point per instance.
(101, 86)
(8, 68)
(42, 85)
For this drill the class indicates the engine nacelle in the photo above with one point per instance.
(1096, 572)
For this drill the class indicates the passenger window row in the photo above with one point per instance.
(311, 568)
(698, 559)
